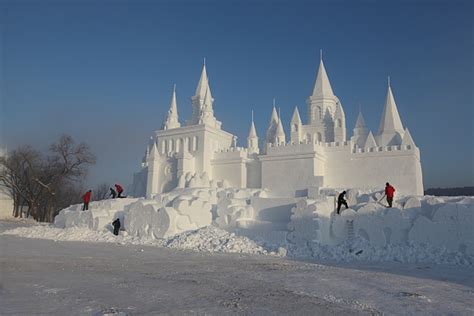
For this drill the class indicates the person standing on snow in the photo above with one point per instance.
(86, 198)
(119, 189)
(389, 192)
(113, 194)
(116, 225)
(341, 201)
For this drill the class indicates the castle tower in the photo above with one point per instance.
(252, 139)
(322, 105)
(272, 125)
(280, 137)
(360, 132)
(339, 124)
(391, 129)
(202, 101)
(172, 118)
(295, 128)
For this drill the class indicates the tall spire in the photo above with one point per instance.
(272, 125)
(252, 131)
(172, 118)
(322, 86)
(360, 122)
(203, 84)
(390, 121)
(252, 139)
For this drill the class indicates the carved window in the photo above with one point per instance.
(320, 137)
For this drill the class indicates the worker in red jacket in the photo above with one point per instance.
(389, 192)
(86, 198)
(119, 190)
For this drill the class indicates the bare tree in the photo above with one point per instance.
(45, 183)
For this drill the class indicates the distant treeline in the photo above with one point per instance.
(450, 191)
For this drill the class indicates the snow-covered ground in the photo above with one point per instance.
(60, 277)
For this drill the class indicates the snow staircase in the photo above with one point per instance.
(350, 229)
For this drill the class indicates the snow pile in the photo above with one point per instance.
(208, 239)
(416, 229)
(214, 239)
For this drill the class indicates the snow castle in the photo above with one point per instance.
(317, 154)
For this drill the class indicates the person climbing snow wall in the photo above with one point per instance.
(86, 198)
(389, 192)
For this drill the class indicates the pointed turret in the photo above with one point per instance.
(407, 139)
(391, 127)
(322, 86)
(322, 105)
(203, 83)
(360, 131)
(272, 125)
(207, 103)
(370, 142)
(296, 119)
(296, 125)
(280, 137)
(203, 112)
(252, 131)
(360, 122)
(172, 118)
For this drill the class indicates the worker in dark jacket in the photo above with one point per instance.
(341, 201)
(116, 225)
(113, 194)
(86, 198)
(389, 192)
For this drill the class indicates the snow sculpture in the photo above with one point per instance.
(317, 155)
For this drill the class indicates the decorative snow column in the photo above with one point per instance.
(391, 129)
(295, 128)
(153, 162)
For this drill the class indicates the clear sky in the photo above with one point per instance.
(103, 71)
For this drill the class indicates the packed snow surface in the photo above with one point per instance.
(416, 230)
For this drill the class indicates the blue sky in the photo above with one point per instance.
(103, 71)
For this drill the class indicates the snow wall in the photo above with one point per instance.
(445, 222)
(304, 225)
